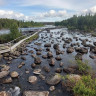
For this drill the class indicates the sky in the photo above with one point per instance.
(45, 10)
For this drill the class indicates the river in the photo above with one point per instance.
(67, 59)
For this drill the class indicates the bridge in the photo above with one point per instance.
(7, 47)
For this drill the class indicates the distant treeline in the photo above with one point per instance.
(7, 23)
(85, 23)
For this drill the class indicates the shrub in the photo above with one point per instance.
(83, 66)
(85, 87)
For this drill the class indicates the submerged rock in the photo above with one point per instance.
(53, 79)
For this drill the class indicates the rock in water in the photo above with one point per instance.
(3, 74)
(37, 60)
(52, 88)
(47, 45)
(36, 93)
(70, 50)
(53, 79)
(14, 91)
(4, 93)
(37, 71)
(14, 74)
(7, 80)
(32, 79)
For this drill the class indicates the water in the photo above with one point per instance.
(41, 85)
(4, 31)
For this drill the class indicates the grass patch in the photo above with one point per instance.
(32, 38)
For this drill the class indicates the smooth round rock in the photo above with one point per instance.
(14, 74)
(32, 79)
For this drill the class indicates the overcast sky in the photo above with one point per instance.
(45, 10)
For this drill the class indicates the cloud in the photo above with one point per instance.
(14, 15)
(91, 10)
(53, 13)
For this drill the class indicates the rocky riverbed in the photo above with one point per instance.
(32, 69)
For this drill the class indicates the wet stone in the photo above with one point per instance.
(53, 79)
(32, 79)
(36, 93)
(14, 74)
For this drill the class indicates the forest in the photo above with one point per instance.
(7, 23)
(84, 23)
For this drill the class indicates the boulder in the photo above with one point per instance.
(4, 93)
(58, 70)
(42, 76)
(61, 64)
(70, 49)
(58, 58)
(5, 68)
(94, 43)
(92, 56)
(47, 45)
(36, 93)
(37, 60)
(33, 55)
(53, 79)
(52, 88)
(44, 56)
(33, 65)
(78, 56)
(32, 79)
(52, 62)
(49, 54)
(3, 74)
(37, 71)
(38, 53)
(74, 77)
(47, 49)
(23, 58)
(81, 50)
(7, 80)
(14, 74)
(46, 69)
(56, 46)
